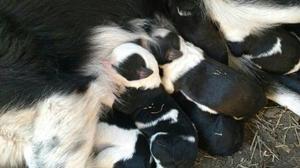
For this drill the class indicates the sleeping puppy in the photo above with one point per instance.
(276, 51)
(119, 144)
(221, 128)
(197, 28)
(170, 133)
(172, 137)
(214, 87)
(218, 134)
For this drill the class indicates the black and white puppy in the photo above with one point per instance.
(196, 27)
(119, 144)
(214, 87)
(171, 134)
(172, 137)
(218, 134)
(276, 51)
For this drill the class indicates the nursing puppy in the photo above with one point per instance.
(276, 51)
(214, 87)
(170, 133)
(197, 28)
(218, 134)
(118, 142)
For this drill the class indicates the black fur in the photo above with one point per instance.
(166, 49)
(198, 28)
(45, 44)
(170, 149)
(278, 63)
(218, 134)
(222, 89)
(141, 156)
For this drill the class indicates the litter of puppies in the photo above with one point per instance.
(140, 83)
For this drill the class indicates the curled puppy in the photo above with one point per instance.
(214, 87)
(172, 137)
(276, 51)
(169, 131)
(196, 27)
(218, 134)
(138, 73)
(119, 144)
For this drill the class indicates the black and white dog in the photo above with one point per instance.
(56, 71)
(218, 134)
(236, 20)
(171, 135)
(214, 87)
(119, 144)
(276, 51)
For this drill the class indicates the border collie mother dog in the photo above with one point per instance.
(55, 73)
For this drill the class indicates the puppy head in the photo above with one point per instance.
(166, 47)
(135, 67)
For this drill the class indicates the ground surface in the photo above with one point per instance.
(272, 141)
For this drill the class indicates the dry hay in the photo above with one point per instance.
(272, 140)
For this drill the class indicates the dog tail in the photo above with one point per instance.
(276, 88)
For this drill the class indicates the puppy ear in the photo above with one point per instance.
(143, 73)
(173, 54)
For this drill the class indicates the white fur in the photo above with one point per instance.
(158, 165)
(201, 106)
(15, 134)
(294, 34)
(172, 115)
(118, 144)
(238, 20)
(189, 138)
(295, 69)
(160, 32)
(183, 13)
(285, 97)
(70, 118)
(122, 52)
(276, 49)
(192, 56)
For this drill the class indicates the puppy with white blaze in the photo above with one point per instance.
(214, 87)
(171, 135)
